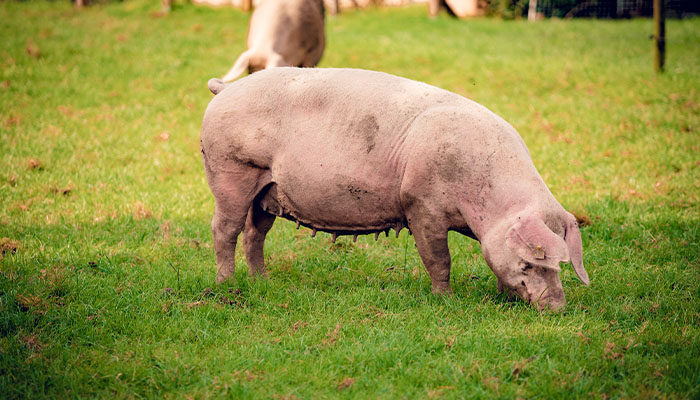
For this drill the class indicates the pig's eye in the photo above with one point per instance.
(527, 267)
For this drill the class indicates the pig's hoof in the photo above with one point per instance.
(262, 274)
(442, 290)
(223, 279)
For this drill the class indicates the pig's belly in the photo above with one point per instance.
(345, 206)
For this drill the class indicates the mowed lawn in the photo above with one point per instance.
(107, 267)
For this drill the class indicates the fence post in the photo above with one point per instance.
(659, 35)
(247, 5)
(433, 8)
(532, 11)
(335, 7)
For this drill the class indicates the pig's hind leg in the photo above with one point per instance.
(257, 225)
(234, 190)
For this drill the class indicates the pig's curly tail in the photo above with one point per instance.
(216, 85)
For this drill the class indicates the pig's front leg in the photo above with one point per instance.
(431, 241)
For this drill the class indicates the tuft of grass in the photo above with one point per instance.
(107, 267)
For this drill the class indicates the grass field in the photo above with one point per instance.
(107, 268)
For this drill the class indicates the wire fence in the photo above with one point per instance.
(612, 8)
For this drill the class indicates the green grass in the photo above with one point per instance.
(111, 289)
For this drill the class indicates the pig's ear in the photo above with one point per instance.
(535, 243)
(573, 241)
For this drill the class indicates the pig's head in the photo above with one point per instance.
(525, 256)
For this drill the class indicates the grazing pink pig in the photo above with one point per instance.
(353, 152)
(283, 33)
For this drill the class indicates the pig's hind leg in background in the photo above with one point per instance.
(234, 186)
(258, 223)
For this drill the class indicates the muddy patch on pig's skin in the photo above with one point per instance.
(451, 165)
(366, 130)
(355, 191)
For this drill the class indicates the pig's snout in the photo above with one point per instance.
(550, 300)
(547, 300)
(550, 304)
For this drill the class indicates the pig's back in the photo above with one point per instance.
(342, 92)
(349, 109)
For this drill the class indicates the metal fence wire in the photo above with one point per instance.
(613, 8)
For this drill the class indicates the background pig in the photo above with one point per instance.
(283, 33)
(353, 152)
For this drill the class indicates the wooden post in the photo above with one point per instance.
(532, 11)
(247, 5)
(433, 8)
(335, 7)
(659, 35)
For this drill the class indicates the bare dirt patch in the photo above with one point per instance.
(34, 164)
(12, 120)
(65, 191)
(32, 49)
(31, 303)
(8, 246)
(141, 211)
(346, 383)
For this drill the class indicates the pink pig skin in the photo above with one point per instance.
(351, 152)
(282, 33)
